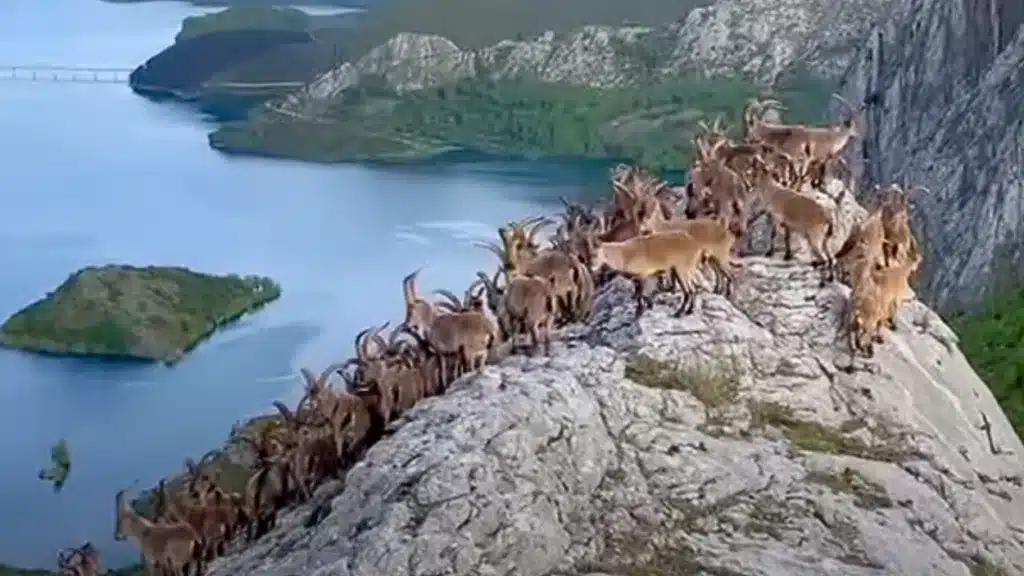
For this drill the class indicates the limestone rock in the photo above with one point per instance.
(416, 61)
(759, 39)
(741, 439)
(764, 38)
(944, 80)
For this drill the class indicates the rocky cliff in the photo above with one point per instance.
(760, 40)
(947, 82)
(740, 440)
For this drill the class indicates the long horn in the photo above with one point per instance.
(536, 227)
(361, 343)
(488, 285)
(409, 286)
(447, 294)
(309, 377)
(378, 340)
(716, 126)
(337, 368)
(285, 412)
(210, 454)
(492, 246)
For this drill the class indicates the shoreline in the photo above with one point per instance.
(264, 298)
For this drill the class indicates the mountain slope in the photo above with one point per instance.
(733, 48)
(740, 440)
(948, 82)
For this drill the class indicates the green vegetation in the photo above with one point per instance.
(866, 494)
(152, 313)
(715, 386)
(478, 23)
(248, 18)
(651, 123)
(813, 436)
(992, 339)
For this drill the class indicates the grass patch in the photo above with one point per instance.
(715, 385)
(984, 567)
(992, 340)
(867, 494)
(812, 436)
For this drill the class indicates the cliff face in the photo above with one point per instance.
(948, 82)
(739, 440)
(760, 39)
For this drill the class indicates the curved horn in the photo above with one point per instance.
(337, 368)
(361, 339)
(536, 227)
(202, 460)
(285, 412)
(450, 307)
(492, 246)
(311, 380)
(452, 297)
(409, 286)
(377, 339)
(488, 285)
(716, 126)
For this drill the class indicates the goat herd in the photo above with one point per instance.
(535, 290)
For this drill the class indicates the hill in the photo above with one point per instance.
(740, 440)
(181, 69)
(476, 24)
(152, 313)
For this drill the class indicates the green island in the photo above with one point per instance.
(650, 124)
(151, 313)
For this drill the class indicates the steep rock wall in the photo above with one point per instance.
(945, 80)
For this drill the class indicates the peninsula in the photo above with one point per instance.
(146, 313)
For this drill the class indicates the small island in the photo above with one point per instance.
(154, 313)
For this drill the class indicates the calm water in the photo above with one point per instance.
(93, 174)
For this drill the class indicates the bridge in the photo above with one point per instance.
(77, 74)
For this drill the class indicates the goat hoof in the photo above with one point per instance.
(878, 340)
(788, 256)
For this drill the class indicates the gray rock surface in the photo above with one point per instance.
(741, 440)
(949, 81)
(760, 39)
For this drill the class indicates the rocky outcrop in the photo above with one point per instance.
(760, 40)
(740, 440)
(947, 113)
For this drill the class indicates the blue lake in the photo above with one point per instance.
(94, 174)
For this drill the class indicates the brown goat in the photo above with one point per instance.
(170, 548)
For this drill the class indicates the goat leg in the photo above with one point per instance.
(773, 231)
(787, 239)
(638, 286)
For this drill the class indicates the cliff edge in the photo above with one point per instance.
(739, 440)
(945, 81)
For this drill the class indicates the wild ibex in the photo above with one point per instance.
(795, 212)
(674, 253)
(806, 144)
(167, 548)
(526, 306)
(81, 561)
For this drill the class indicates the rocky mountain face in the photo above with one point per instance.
(740, 440)
(760, 40)
(947, 84)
